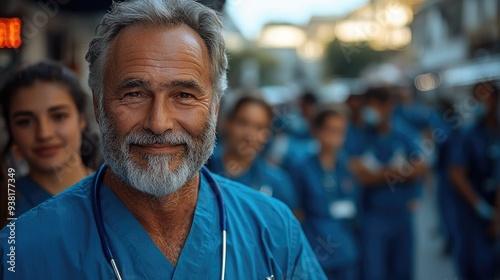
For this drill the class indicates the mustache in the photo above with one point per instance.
(144, 137)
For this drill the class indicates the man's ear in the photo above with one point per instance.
(96, 107)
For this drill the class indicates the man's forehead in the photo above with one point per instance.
(145, 36)
(142, 46)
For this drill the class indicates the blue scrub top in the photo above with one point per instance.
(30, 195)
(331, 237)
(288, 149)
(59, 239)
(478, 149)
(418, 115)
(261, 176)
(390, 198)
(444, 144)
(353, 138)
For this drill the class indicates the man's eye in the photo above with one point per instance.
(184, 95)
(133, 94)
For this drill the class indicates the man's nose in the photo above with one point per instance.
(161, 116)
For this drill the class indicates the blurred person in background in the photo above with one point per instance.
(386, 164)
(301, 129)
(245, 131)
(472, 172)
(328, 194)
(355, 126)
(43, 106)
(445, 135)
(296, 142)
(414, 112)
(415, 115)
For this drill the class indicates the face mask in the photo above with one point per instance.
(371, 116)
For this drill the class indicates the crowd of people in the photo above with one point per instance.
(351, 173)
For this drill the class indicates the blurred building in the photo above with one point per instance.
(456, 43)
(352, 42)
(58, 30)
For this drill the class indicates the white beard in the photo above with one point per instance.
(157, 178)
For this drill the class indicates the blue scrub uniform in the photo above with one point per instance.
(30, 195)
(261, 176)
(354, 138)
(477, 150)
(298, 150)
(446, 193)
(59, 239)
(418, 116)
(328, 199)
(386, 220)
(292, 145)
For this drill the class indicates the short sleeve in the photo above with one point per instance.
(355, 144)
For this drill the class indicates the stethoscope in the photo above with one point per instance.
(103, 236)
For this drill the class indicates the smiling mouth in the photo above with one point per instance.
(159, 148)
(47, 151)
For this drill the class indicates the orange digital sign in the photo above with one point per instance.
(10, 33)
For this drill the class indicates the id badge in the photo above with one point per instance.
(343, 209)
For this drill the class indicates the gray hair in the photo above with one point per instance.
(163, 13)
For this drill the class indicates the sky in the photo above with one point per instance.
(250, 15)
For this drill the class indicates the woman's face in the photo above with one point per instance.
(248, 131)
(331, 134)
(46, 126)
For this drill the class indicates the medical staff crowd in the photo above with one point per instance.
(305, 190)
(353, 174)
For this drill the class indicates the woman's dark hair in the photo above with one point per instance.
(248, 99)
(380, 94)
(53, 73)
(309, 98)
(324, 114)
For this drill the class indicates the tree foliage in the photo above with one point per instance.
(349, 60)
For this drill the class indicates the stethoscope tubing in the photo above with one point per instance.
(103, 236)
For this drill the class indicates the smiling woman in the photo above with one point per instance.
(44, 109)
